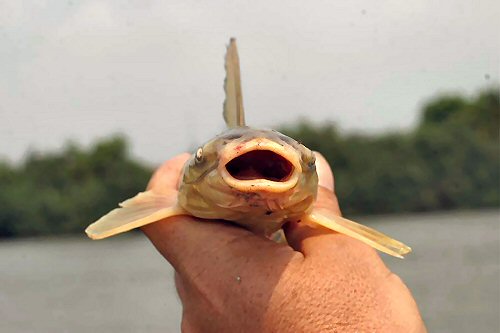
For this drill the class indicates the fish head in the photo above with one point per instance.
(250, 176)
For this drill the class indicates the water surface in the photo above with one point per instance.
(124, 285)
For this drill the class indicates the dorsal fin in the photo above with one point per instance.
(234, 114)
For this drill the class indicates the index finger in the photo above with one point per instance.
(322, 241)
(168, 174)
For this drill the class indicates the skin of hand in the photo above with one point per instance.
(231, 280)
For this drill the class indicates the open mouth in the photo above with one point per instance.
(260, 164)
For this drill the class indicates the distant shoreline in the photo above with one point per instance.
(365, 219)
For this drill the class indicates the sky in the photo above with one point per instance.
(153, 70)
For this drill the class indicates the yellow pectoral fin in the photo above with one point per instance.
(144, 208)
(358, 231)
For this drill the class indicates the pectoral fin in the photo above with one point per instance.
(358, 231)
(144, 208)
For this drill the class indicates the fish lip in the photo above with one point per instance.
(258, 185)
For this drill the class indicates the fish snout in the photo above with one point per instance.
(260, 165)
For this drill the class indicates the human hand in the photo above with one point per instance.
(230, 280)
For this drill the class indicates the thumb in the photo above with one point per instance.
(325, 174)
(297, 233)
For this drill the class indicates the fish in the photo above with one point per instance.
(256, 178)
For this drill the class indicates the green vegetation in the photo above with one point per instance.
(450, 160)
(61, 193)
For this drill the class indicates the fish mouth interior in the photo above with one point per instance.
(260, 164)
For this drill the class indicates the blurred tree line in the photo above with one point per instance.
(63, 192)
(450, 160)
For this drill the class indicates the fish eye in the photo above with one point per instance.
(313, 157)
(199, 155)
(311, 162)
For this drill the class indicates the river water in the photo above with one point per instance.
(124, 285)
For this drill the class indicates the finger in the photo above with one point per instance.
(304, 238)
(197, 247)
(326, 194)
(179, 285)
(168, 174)
(323, 243)
(307, 239)
(325, 174)
(189, 243)
(165, 178)
(295, 232)
(328, 200)
(313, 241)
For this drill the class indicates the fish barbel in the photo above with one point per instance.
(256, 178)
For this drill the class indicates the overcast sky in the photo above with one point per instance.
(153, 70)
